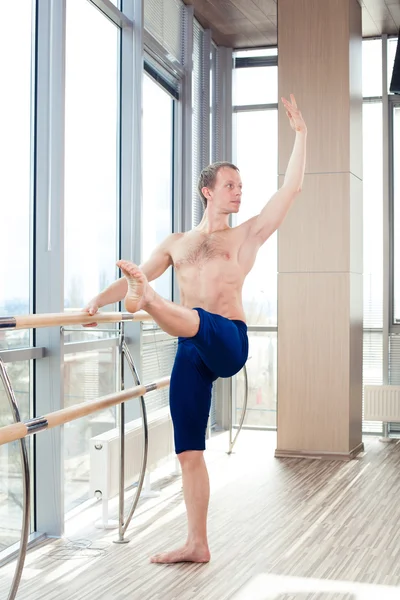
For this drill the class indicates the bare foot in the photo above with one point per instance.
(185, 554)
(138, 286)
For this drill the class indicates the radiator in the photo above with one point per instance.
(104, 452)
(382, 403)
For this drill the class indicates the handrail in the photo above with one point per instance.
(17, 431)
(69, 318)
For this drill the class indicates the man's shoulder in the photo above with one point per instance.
(173, 238)
(171, 241)
(244, 227)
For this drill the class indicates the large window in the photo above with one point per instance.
(256, 110)
(15, 242)
(396, 210)
(88, 376)
(372, 217)
(372, 68)
(11, 490)
(394, 160)
(15, 180)
(91, 219)
(255, 84)
(158, 168)
(91, 156)
(373, 248)
(258, 170)
(158, 108)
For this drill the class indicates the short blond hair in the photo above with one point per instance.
(208, 177)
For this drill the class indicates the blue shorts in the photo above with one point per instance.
(219, 349)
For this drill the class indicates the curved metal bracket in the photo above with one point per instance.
(25, 481)
(124, 523)
(232, 442)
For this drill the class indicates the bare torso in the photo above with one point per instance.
(211, 268)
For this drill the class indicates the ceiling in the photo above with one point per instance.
(252, 23)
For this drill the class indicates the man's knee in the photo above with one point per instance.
(190, 458)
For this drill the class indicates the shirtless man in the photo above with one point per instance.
(211, 263)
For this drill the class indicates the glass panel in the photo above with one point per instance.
(15, 150)
(396, 201)
(11, 491)
(91, 153)
(373, 215)
(213, 106)
(157, 361)
(198, 159)
(157, 174)
(256, 52)
(255, 85)
(86, 376)
(391, 53)
(373, 249)
(260, 288)
(262, 380)
(372, 68)
(372, 370)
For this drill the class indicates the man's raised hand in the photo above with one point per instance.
(296, 120)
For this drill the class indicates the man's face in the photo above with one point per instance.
(227, 193)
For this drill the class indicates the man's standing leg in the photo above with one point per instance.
(190, 400)
(196, 492)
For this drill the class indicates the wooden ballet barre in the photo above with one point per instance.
(70, 318)
(17, 431)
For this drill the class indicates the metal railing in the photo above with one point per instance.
(19, 430)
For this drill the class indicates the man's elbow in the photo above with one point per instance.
(297, 190)
(292, 190)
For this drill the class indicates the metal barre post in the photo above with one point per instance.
(121, 439)
(242, 416)
(131, 364)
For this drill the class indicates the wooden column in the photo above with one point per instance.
(320, 304)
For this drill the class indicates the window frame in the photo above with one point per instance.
(394, 326)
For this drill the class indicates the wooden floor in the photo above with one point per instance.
(279, 529)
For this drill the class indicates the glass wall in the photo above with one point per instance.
(255, 92)
(158, 161)
(95, 184)
(15, 156)
(91, 221)
(373, 245)
(98, 185)
(91, 153)
(255, 109)
(396, 211)
(258, 170)
(11, 490)
(87, 375)
(157, 222)
(16, 124)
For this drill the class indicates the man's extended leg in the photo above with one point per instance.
(172, 318)
(196, 491)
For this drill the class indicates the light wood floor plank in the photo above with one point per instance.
(300, 518)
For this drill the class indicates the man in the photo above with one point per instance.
(211, 263)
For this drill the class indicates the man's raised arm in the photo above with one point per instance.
(278, 206)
